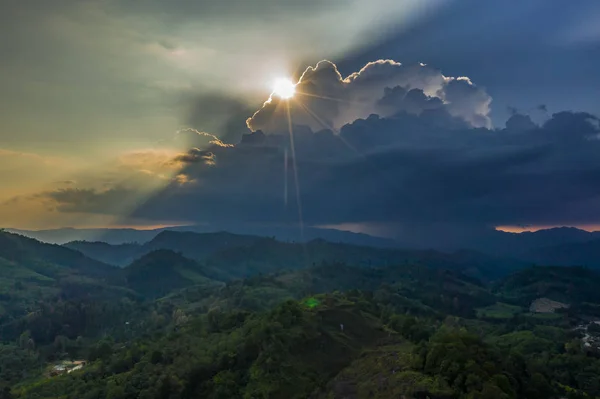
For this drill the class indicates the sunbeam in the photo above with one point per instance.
(329, 98)
(326, 126)
(295, 171)
(285, 177)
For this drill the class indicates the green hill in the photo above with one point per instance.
(268, 319)
(50, 259)
(327, 346)
(162, 272)
(563, 284)
(33, 272)
(586, 253)
(238, 256)
(415, 289)
(289, 352)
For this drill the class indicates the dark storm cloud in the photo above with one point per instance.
(407, 169)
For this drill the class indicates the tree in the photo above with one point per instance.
(60, 343)
(24, 339)
(5, 393)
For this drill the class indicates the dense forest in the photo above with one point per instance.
(248, 317)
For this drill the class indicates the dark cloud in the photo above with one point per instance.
(196, 155)
(407, 170)
(520, 123)
(88, 200)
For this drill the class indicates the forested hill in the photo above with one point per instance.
(24, 250)
(258, 321)
(353, 345)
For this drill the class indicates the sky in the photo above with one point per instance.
(409, 116)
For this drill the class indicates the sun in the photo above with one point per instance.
(284, 88)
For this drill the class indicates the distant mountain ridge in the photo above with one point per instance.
(230, 256)
(193, 245)
(128, 236)
(489, 241)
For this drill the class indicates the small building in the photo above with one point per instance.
(66, 367)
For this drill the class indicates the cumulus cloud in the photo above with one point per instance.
(324, 99)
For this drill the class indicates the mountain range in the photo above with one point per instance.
(563, 246)
(127, 235)
(232, 315)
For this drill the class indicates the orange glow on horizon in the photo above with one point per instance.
(531, 229)
(107, 226)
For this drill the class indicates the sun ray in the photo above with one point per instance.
(285, 177)
(333, 129)
(328, 98)
(295, 171)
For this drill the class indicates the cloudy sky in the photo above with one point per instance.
(429, 113)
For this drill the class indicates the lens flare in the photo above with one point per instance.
(284, 88)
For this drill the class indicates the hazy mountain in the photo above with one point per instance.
(518, 244)
(124, 236)
(198, 245)
(110, 236)
(489, 241)
(117, 254)
(193, 245)
(239, 256)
